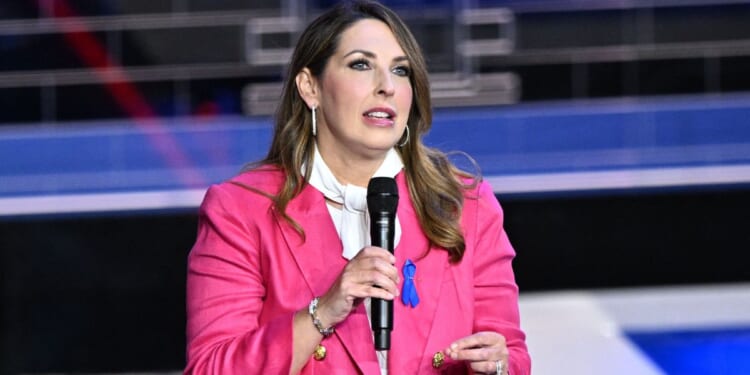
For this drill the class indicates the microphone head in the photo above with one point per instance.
(382, 194)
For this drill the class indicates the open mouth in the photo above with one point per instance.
(380, 114)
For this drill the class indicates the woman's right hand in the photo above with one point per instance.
(371, 273)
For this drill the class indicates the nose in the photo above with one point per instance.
(385, 85)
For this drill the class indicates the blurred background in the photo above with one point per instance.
(616, 134)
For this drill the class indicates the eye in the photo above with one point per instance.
(359, 64)
(402, 70)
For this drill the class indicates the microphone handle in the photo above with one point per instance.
(382, 315)
(381, 310)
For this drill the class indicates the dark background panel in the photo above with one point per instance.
(20, 104)
(735, 73)
(117, 99)
(12, 10)
(217, 96)
(571, 29)
(216, 5)
(545, 82)
(701, 23)
(605, 79)
(630, 239)
(187, 45)
(679, 76)
(115, 7)
(94, 294)
(436, 41)
(27, 52)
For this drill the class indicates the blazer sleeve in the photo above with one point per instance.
(225, 293)
(495, 289)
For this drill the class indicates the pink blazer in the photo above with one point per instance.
(250, 271)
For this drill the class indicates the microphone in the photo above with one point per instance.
(382, 200)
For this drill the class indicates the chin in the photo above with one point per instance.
(380, 147)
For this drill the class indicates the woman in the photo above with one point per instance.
(281, 274)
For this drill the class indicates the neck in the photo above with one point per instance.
(351, 169)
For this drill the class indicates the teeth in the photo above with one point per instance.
(378, 114)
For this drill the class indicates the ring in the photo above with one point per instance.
(499, 367)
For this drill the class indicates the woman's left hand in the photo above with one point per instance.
(481, 350)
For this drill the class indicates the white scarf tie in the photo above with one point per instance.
(353, 223)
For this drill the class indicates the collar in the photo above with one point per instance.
(352, 224)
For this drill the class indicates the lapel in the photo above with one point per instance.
(321, 268)
(413, 326)
(318, 254)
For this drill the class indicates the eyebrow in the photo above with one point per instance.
(372, 55)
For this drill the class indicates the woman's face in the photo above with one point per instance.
(364, 93)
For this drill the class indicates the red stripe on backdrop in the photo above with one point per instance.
(122, 89)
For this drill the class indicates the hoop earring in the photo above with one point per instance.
(314, 123)
(402, 144)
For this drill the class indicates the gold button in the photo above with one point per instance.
(438, 359)
(320, 353)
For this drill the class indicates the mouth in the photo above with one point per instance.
(380, 114)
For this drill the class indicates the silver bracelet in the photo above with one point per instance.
(313, 310)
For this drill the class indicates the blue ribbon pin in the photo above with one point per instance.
(409, 291)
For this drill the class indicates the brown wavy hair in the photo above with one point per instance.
(435, 185)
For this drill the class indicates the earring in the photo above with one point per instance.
(314, 123)
(402, 144)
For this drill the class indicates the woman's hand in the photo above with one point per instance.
(369, 274)
(481, 350)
